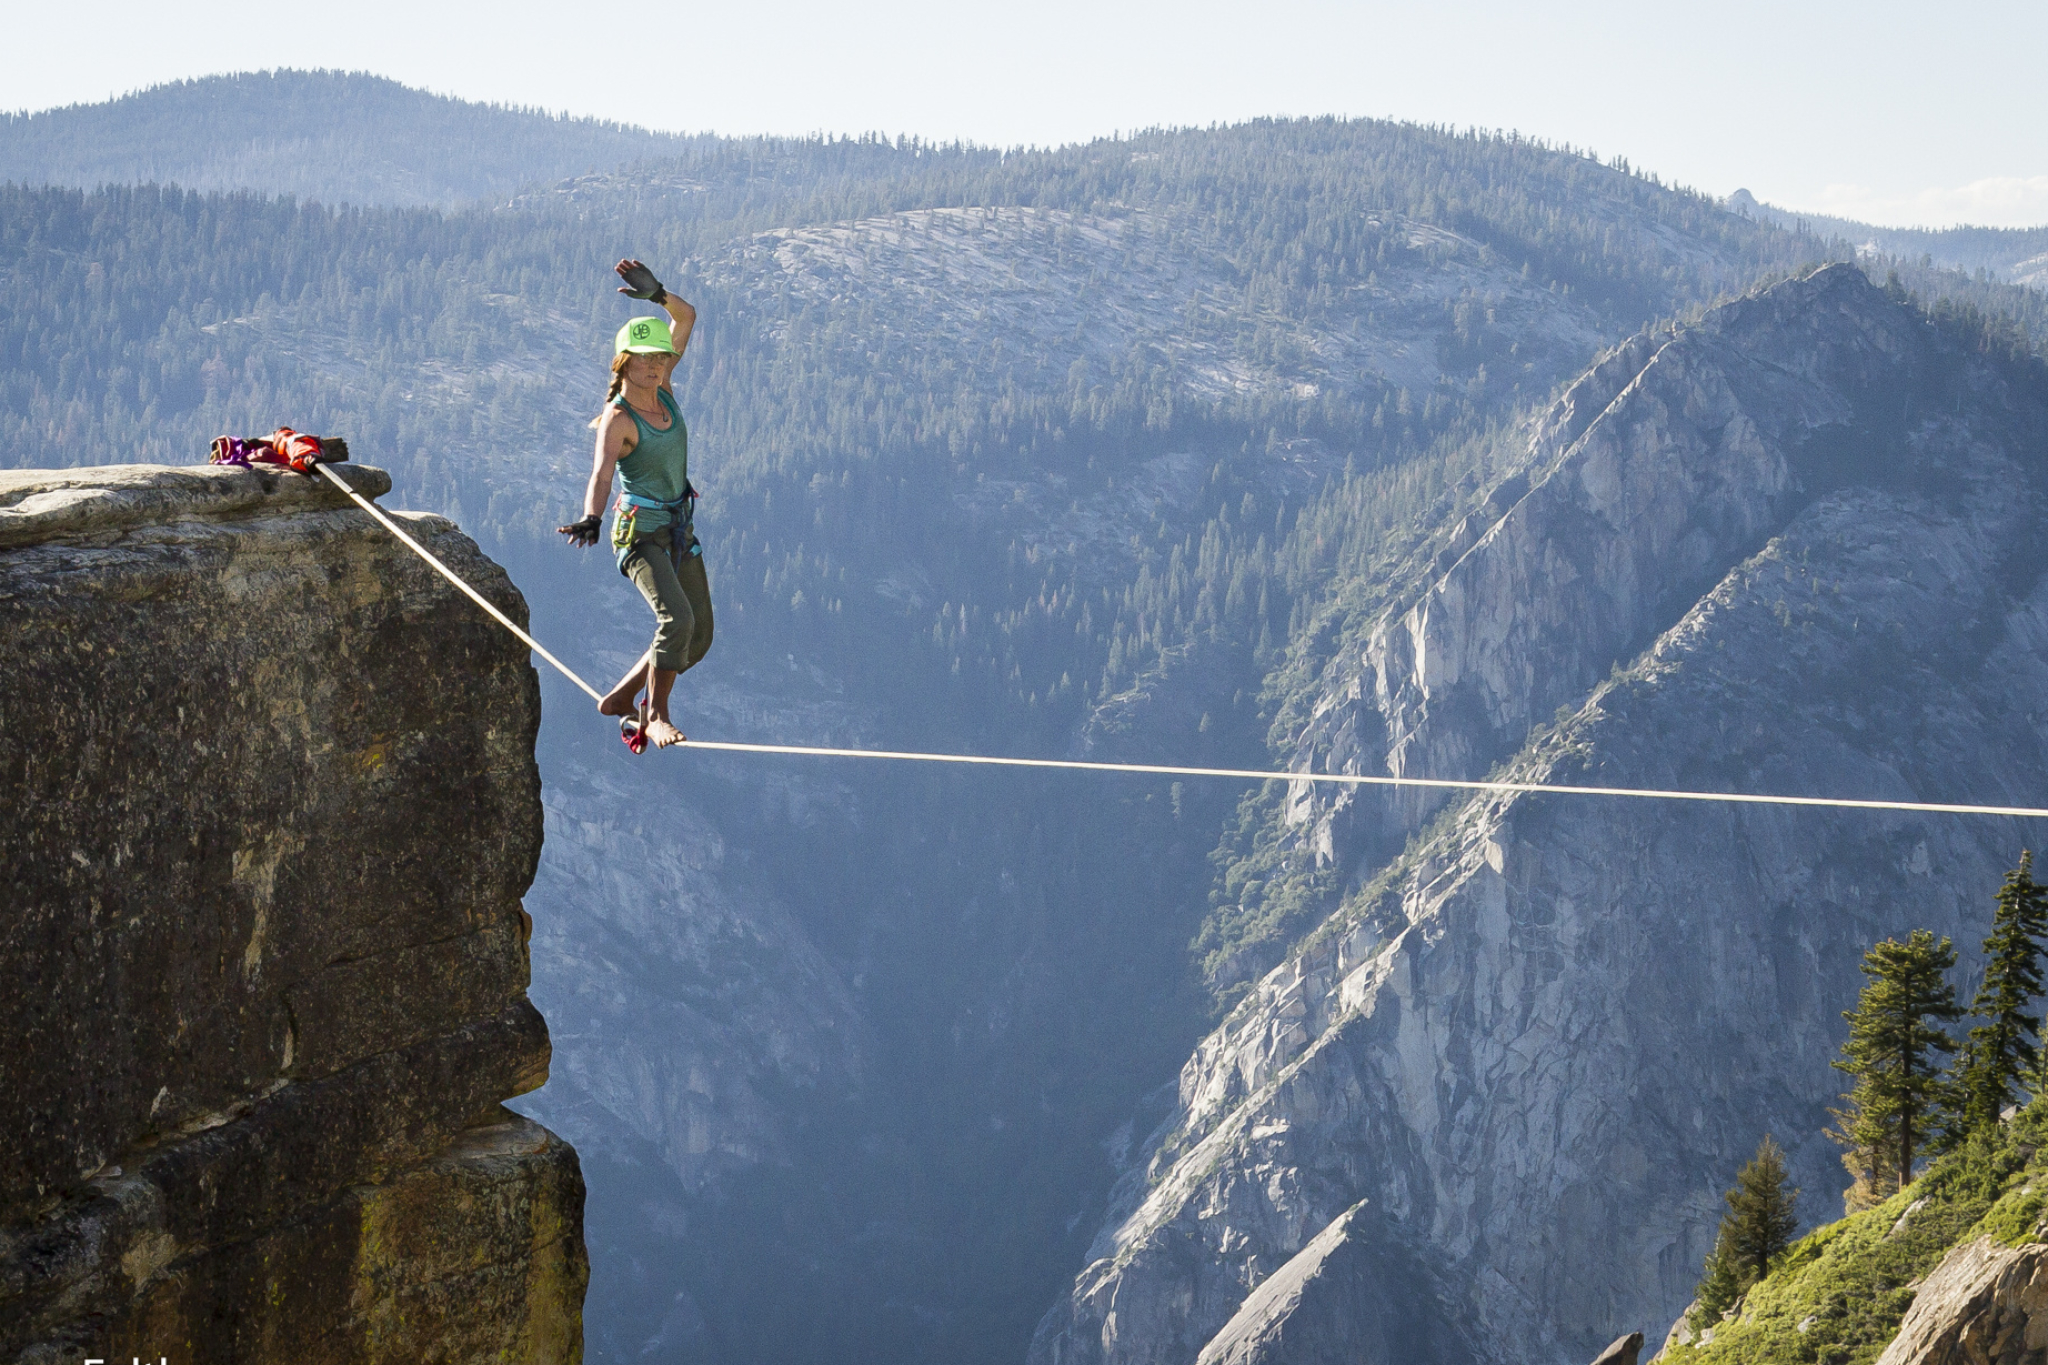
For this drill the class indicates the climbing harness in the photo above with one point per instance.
(1165, 770)
(682, 540)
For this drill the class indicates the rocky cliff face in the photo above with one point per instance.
(1797, 548)
(271, 807)
(1984, 1303)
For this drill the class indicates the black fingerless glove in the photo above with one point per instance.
(641, 284)
(582, 532)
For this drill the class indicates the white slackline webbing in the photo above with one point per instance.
(502, 619)
(1364, 780)
(1164, 770)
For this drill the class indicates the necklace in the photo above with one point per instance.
(656, 411)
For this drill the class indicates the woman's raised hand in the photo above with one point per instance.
(640, 282)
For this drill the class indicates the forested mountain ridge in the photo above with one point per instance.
(1115, 448)
(337, 137)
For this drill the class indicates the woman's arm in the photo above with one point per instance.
(682, 319)
(614, 440)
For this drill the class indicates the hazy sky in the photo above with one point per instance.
(1888, 112)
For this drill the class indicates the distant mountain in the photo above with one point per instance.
(1479, 1109)
(339, 137)
(2015, 255)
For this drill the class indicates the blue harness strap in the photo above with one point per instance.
(682, 535)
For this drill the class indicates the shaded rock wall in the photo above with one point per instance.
(1355, 1292)
(1542, 1040)
(271, 806)
(695, 1002)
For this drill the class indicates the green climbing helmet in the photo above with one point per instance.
(646, 336)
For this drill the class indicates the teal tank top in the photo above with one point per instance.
(658, 468)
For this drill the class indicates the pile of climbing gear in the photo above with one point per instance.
(293, 450)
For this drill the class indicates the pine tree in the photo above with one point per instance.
(2003, 1056)
(1754, 1232)
(1760, 1210)
(1720, 1287)
(1891, 1053)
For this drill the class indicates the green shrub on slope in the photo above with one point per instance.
(1839, 1294)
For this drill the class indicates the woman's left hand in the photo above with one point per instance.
(640, 282)
(582, 532)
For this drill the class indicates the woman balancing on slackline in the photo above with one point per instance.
(640, 433)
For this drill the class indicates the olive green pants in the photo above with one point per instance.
(681, 602)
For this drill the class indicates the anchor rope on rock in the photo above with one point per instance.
(1168, 770)
(502, 619)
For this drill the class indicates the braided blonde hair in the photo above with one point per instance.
(619, 363)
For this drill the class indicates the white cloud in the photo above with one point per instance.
(1995, 201)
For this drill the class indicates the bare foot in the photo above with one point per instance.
(662, 733)
(620, 701)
